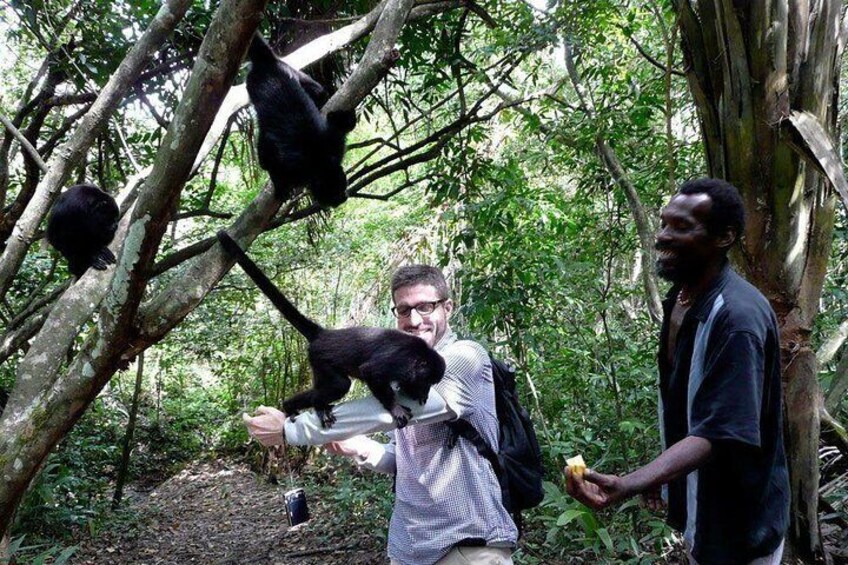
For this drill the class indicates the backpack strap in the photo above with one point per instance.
(463, 428)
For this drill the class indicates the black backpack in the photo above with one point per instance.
(518, 463)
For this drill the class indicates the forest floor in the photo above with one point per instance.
(223, 513)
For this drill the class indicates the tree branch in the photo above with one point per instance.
(834, 431)
(831, 345)
(386, 197)
(205, 212)
(24, 142)
(15, 339)
(652, 60)
(836, 393)
(60, 165)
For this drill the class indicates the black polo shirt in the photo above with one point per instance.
(724, 385)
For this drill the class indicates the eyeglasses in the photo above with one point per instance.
(423, 308)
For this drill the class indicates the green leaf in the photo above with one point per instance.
(566, 517)
(603, 534)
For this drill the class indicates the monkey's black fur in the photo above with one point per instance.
(297, 145)
(81, 226)
(377, 356)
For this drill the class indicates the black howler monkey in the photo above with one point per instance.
(81, 226)
(377, 356)
(297, 145)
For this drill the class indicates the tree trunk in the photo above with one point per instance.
(751, 66)
(128, 437)
(46, 403)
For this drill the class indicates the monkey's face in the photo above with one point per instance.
(329, 187)
(424, 373)
(418, 390)
(105, 215)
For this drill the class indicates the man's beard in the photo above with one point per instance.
(679, 272)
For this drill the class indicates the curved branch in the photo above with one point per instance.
(378, 58)
(386, 197)
(13, 340)
(53, 141)
(832, 344)
(24, 142)
(652, 60)
(204, 212)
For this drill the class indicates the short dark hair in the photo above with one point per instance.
(411, 275)
(728, 210)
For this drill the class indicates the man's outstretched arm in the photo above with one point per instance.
(598, 491)
(363, 416)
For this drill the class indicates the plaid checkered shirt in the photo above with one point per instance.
(444, 495)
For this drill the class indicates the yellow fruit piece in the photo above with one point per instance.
(577, 465)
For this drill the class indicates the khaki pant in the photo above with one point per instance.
(475, 556)
(773, 559)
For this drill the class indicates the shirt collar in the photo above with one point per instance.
(702, 307)
(446, 340)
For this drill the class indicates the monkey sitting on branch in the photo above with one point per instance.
(82, 224)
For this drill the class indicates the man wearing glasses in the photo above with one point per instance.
(448, 507)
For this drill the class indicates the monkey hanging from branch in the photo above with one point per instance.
(297, 145)
(376, 356)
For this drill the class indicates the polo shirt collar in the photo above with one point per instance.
(702, 307)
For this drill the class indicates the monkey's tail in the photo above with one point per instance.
(304, 325)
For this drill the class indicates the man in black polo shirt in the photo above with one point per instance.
(723, 468)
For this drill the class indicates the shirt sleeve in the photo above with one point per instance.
(728, 402)
(376, 456)
(466, 364)
(363, 416)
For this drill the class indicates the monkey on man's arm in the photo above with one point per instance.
(359, 417)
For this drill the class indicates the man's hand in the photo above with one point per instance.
(352, 447)
(267, 426)
(595, 490)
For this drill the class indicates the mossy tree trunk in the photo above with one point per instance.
(48, 399)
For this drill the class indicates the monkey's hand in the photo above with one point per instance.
(401, 415)
(103, 259)
(326, 417)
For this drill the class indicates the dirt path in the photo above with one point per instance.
(225, 514)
